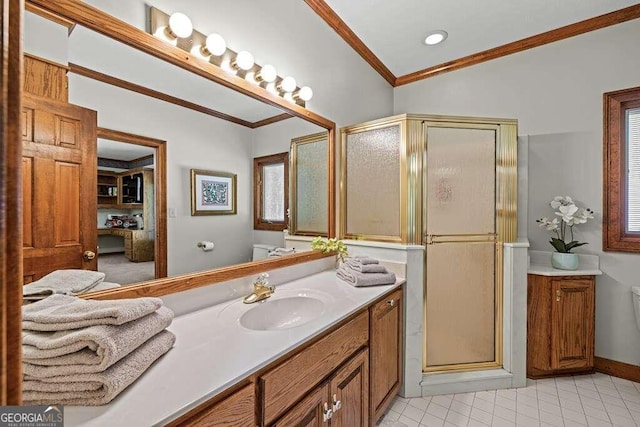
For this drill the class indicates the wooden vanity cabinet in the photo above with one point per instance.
(341, 401)
(385, 347)
(346, 377)
(560, 325)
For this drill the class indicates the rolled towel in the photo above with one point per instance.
(366, 268)
(62, 312)
(67, 282)
(364, 260)
(97, 388)
(86, 350)
(359, 279)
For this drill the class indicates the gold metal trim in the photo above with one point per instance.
(293, 216)
(365, 127)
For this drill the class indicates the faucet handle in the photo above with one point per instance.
(262, 279)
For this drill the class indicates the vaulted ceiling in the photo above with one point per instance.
(394, 31)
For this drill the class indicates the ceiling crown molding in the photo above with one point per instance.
(339, 26)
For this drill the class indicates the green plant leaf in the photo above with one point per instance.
(559, 245)
(574, 244)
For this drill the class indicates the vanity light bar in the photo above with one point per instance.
(213, 49)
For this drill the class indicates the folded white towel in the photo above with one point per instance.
(366, 268)
(364, 260)
(86, 350)
(359, 279)
(67, 282)
(62, 312)
(97, 388)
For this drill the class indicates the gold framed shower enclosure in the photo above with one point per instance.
(396, 181)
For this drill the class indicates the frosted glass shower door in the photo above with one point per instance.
(461, 291)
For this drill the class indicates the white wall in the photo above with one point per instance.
(555, 91)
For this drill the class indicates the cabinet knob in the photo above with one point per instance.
(88, 255)
(337, 404)
(326, 413)
(391, 302)
(558, 293)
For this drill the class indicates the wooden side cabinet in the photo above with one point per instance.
(560, 325)
(386, 319)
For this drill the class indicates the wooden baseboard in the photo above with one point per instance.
(617, 369)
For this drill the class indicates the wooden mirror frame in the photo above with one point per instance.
(94, 19)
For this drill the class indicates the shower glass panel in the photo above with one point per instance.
(373, 183)
(460, 314)
(461, 296)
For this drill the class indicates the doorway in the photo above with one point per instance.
(132, 228)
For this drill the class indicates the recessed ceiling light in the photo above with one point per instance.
(435, 37)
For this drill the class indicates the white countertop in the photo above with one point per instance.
(213, 352)
(540, 264)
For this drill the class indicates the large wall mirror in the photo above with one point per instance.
(158, 121)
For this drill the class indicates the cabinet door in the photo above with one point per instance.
(310, 412)
(349, 393)
(572, 323)
(386, 350)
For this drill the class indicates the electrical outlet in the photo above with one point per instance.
(173, 213)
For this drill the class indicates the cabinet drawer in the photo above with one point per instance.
(237, 410)
(290, 381)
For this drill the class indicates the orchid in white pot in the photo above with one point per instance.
(568, 215)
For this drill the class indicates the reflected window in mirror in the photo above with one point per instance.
(271, 192)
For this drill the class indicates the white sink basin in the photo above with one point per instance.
(283, 310)
(283, 313)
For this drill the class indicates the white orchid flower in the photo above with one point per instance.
(567, 213)
(556, 202)
(552, 225)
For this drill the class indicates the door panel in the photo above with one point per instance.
(572, 336)
(66, 218)
(309, 412)
(350, 387)
(461, 181)
(59, 201)
(460, 303)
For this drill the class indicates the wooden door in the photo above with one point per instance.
(385, 347)
(349, 393)
(59, 186)
(572, 323)
(310, 412)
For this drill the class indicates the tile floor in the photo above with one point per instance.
(586, 400)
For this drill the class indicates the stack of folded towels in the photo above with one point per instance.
(85, 352)
(365, 271)
(278, 252)
(66, 282)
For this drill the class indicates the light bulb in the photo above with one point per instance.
(266, 74)
(180, 25)
(244, 60)
(288, 84)
(435, 37)
(305, 93)
(214, 45)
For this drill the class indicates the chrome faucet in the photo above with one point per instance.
(261, 290)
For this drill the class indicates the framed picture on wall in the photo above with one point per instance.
(213, 193)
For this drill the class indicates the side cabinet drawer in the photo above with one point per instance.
(290, 381)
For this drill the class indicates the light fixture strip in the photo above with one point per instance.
(159, 22)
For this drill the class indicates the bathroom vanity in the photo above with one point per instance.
(317, 349)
